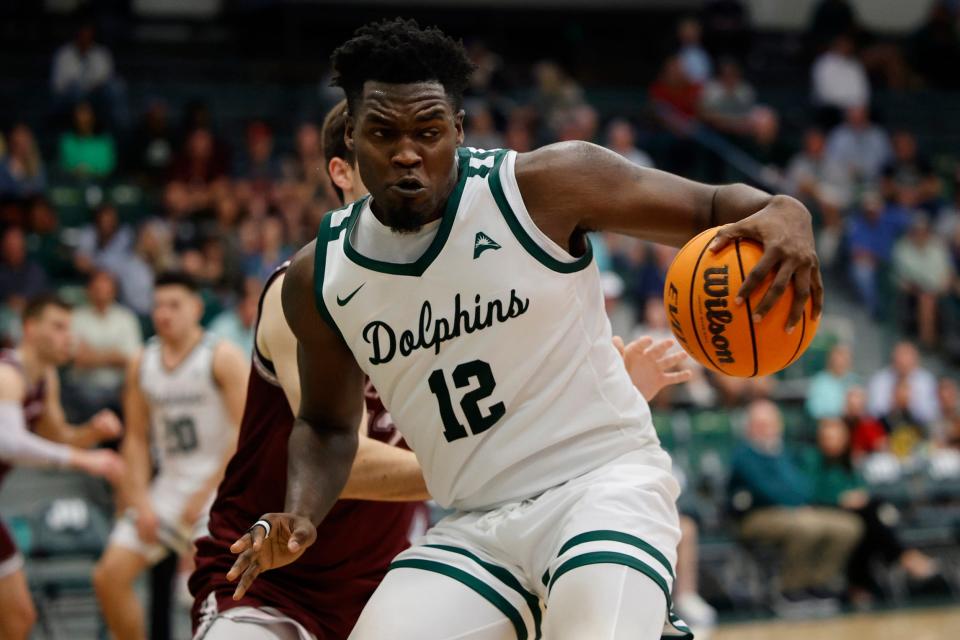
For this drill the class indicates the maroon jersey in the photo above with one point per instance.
(33, 403)
(328, 586)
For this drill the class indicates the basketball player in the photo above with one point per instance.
(322, 595)
(184, 395)
(464, 287)
(34, 432)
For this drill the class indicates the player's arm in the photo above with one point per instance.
(380, 471)
(104, 425)
(323, 441)
(573, 187)
(135, 448)
(21, 447)
(230, 371)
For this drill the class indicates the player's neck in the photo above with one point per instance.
(181, 345)
(34, 367)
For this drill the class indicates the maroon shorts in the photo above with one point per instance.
(10, 559)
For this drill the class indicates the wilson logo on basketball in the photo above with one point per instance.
(716, 285)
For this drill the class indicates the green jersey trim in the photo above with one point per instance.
(319, 266)
(483, 589)
(617, 536)
(534, 249)
(416, 268)
(611, 557)
(505, 577)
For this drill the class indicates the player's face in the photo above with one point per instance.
(405, 138)
(176, 310)
(51, 334)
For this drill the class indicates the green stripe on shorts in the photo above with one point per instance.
(504, 576)
(480, 587)
(617, 536)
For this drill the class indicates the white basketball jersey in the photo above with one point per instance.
(189, 426)
(492, 351)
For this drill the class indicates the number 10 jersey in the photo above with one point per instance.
(189, 426)
(492, 351)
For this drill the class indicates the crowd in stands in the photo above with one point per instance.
(228, 211)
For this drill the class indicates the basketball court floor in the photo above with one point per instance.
(942, 623)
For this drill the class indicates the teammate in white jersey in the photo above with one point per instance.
(183, 400)
(491, 350)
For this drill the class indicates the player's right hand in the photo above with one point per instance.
(289, 537)
(100, 462)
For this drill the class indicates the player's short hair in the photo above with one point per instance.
(399, 51)
(176, 279)
(334, 126)
(40, 303)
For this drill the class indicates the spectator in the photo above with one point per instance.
(922, 393)
(104, 244)
(871, 236)
(674, 92)
(21, 172)
(106, 335)
(20, 277)
(828, 389)
(924, 272)
(151, 149)
(839, 79)
(727, 100)
(909, 177)
(622, 139)
(837, 484)
(693, 57)
(481, 132)
(948, 393)
(859, 146)
(271, 251)
(153, 254)
(577, 123)
(305, 168)
(824, 186)
(85, 153)
(45, 241)
(83, 70)
(556, 91)
(904, 428)
(867, 434)
(236, 324)
(774, 498)
(258, 168)
(198, 175)
(766, 144)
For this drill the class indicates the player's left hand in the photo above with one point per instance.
(785, 229)
(106, 425)
(289, 537)
(652, 366)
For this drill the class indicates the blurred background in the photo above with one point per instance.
(142, 135)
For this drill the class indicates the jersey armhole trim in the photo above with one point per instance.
(534, 249)
(319, 266)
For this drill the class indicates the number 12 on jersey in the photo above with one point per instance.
(452, 429)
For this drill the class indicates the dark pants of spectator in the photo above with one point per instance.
(879, 542)
(815, 541)
(161, 597)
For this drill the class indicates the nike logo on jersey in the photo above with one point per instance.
(482, 243)
(344, 301)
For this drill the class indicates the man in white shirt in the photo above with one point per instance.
(106, 336)
(923, 403)
(82, 69)
(839, 79)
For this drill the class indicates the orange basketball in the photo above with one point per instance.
(699, 296)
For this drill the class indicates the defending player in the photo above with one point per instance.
(464, 288)
(321, 595)
(184, 395)
(34, 432)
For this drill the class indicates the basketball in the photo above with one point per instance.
(699, 297)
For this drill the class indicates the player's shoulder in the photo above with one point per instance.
(13, 386)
